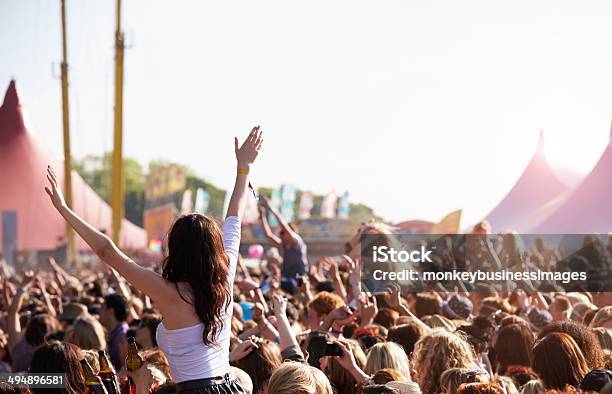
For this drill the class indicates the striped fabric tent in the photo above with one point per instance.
(23, 159)
(588, 210)
(535, 195)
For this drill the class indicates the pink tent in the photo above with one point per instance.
(588, 210)
(534, 196)
(24, 159)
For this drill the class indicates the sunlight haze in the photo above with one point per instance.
(416, 108)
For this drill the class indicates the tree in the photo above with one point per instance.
(97, 172)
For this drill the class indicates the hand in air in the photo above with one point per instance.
(258, 313)
(347, 360)
(248, 151)
(393, 299)
(279, 304)
(247, 285)
(243, 349)
(54, 191)
(266, 201)
(342, 315)
(368, 308)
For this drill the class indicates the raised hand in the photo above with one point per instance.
(348, 362)
(342, 315)
(54, 191)
(279, 305)
(368, 308)
(393, 299)
(258, 313)
(354, 269)
(28, 278)
(248, 151)
(247, 285)
(243, 349)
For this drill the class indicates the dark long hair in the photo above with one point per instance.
(513, 346)
(196, 255)
(60, 357)
(558, 361)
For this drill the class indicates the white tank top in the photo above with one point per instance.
(187, 355)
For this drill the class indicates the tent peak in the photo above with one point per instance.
(11, 97)
(540, 148)
(11, 117)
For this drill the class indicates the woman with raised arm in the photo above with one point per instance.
(291, 245)
(194, 291)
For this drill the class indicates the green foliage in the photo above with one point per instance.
(362, 213)
(96, 171)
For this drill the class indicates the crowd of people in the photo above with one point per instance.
(205, 322)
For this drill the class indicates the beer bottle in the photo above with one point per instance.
(133, 362)
(107, 374)
(92, 381)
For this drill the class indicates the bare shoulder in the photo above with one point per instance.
(178, 310)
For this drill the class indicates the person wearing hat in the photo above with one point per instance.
(538, 319)
(71, 312)
(596, 380)
(458, 308)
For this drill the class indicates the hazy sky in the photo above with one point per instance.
(416, 107)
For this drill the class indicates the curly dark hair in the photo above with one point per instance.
(585, 339)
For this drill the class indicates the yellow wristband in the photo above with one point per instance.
(243, 171)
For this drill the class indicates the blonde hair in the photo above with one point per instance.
(435, 353)
(604, 335)
(244, 378)
(298, 378)
(602, 316)
(452, 378)
(439, 321)
(387, 355)
(157, 374)
(93, 360)
(87, 333)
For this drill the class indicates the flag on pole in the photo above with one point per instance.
(202, 201)
(328, 206)
(275, 202)
(306, 204)
(344, 206)
(449, 224)
(251, 212)
(187, 203)
(288, 199)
